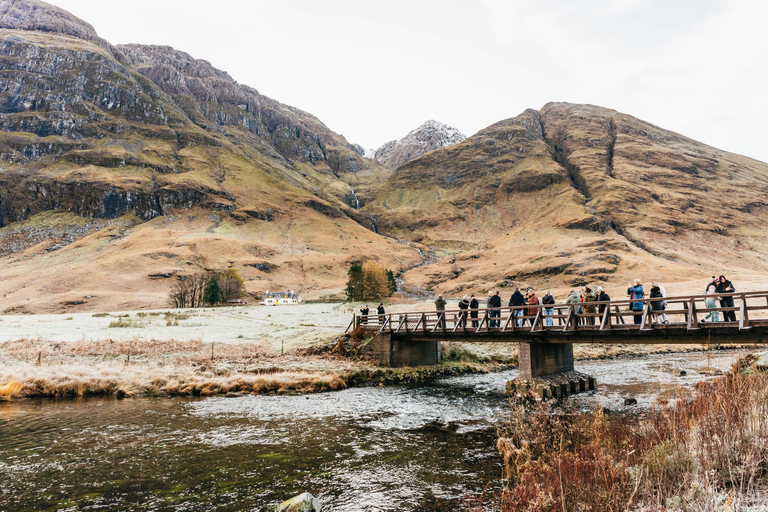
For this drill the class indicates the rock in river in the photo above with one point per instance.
(302, 503)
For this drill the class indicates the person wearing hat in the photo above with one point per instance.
(602, 297)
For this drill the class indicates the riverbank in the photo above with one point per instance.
(706, 451)
(37, 368)
(139, 367)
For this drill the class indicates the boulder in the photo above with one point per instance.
(304, 502)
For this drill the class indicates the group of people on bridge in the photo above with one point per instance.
(586, 300)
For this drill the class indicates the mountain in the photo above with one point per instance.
(121, 164)
(124, 167)
(576, 194)
(429, 136)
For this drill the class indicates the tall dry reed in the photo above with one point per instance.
(707, 450)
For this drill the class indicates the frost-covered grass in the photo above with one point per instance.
(133, 367)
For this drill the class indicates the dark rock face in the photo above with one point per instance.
(102, 201)
(212, 100)
(70, 101)
(69, 92)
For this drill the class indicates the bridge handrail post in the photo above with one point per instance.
(509, 319)
(606, 320)
(743, 314)
(646, 316)
(537, 319)
(693, 322)
(569, 318)
(484, 320)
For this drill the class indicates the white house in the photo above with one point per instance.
(280, 298)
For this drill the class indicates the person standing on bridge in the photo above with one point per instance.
(711, 303)
(575, 301)
(494, 302)
(516, 300)
(725, 286)
(547, 300)
(440, 308)
(364, 312)
(380, 311)
(589, 308)
(636, 292)
(602, 297)
(474, 305)
(463, 307)
(658, 291)
(533, 300)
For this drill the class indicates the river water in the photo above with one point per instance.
(422, 448)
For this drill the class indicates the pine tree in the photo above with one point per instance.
(355, 283)
(212, 294)
(392, 282)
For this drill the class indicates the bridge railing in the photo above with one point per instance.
(734, 309)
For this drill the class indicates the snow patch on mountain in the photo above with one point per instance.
(429, 136)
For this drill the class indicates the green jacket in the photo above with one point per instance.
(440, 304)
(590, 308)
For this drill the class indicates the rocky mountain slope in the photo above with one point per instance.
(573, 194)
(139, 138)
(123, 167)
(429, 136)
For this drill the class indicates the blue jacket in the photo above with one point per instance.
(635, 292)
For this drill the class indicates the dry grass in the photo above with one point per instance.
(707, 452)
(38, 368)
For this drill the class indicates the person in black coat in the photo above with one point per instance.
(602, 297)
(725, 286)
(364, 311)
(380, 311)
(494, 302)
(473, 307)
(463, 307)
(517, 299)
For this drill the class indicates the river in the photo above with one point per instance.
(393, 448)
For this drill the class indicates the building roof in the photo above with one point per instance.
(281, 295)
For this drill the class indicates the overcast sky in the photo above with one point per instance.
(373, 71)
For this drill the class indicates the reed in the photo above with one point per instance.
(704, 451)
(139, 367)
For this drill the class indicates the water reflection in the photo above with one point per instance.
(362, 449)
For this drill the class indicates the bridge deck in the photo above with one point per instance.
(569, 323)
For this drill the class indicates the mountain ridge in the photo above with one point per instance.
(119, 164)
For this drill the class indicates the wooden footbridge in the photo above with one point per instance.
(546, 332)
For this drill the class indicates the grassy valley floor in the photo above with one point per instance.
(212, 351)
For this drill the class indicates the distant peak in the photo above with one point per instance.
(429, 136)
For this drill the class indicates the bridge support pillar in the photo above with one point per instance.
(546, 370)
(540, 359)
(391, 351)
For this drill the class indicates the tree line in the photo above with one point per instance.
(370, 281)
(209, 288)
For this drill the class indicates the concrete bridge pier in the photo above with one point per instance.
(546, 369)
(397, 352)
